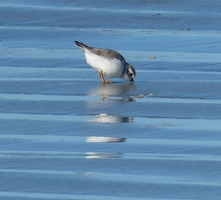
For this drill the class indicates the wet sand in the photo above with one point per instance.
(64, 135)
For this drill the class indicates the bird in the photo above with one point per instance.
(107, 62)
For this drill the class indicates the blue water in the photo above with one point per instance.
(64, 135)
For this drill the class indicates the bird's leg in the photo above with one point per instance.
(104, 80)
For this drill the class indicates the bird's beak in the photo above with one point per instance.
(132, 80)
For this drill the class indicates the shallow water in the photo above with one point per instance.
(64, 135)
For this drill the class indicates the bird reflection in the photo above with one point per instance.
(104, 139)
(104, 118)
(102, 155)
(114, 90)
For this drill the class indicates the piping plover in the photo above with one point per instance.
(108, 63)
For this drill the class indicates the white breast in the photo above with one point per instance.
(110, 67)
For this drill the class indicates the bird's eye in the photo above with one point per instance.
(132, 75)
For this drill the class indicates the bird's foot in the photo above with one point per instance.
(104, 80)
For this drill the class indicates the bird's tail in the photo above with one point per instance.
(82, 45)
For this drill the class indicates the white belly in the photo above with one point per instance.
(113, 68)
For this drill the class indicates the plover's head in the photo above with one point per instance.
(130, 73)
